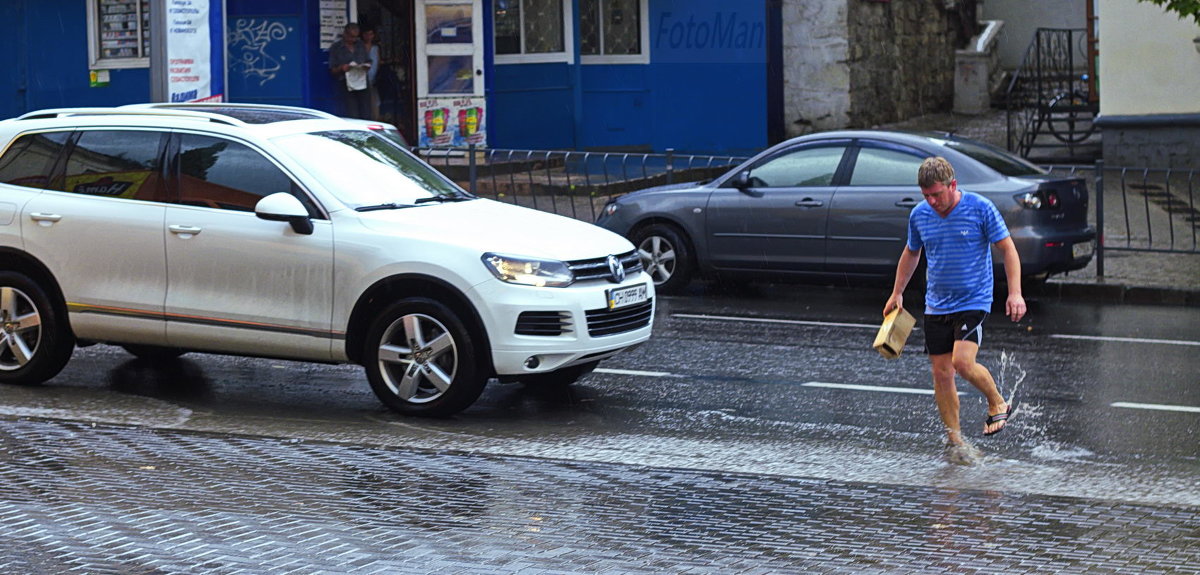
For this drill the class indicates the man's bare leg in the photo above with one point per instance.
(977, 375)
(945, 394)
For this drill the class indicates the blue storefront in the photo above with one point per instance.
(692, 75)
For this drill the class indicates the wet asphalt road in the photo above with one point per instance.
(775, 382)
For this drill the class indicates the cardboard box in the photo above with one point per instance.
(894, 332)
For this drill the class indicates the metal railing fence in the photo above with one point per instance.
(1136, 209)
(569, 183)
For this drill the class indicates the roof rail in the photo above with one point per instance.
(202, 106)
(66, 112)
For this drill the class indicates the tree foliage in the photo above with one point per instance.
(1184, 8)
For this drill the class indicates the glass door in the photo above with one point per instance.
(450, 103)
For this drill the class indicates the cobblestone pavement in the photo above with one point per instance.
(86, 498)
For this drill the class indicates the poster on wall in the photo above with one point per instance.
(451, 122)
(333, 21)
(192, 74)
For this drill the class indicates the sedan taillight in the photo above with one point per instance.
(1039, 200)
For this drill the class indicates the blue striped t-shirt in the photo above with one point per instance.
(958, 253)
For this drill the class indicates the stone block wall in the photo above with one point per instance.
(860, 63)
(902, 60)
(1167, 142)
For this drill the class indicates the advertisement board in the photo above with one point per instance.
(451, 122)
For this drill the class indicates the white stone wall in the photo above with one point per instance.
(1022, 18)
(816, 75)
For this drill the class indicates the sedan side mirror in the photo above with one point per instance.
(283, 207)
(742, 180)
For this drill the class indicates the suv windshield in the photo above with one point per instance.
(366, 170)
(1003, 162)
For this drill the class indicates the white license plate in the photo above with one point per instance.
(621, 297)
(1081, 250)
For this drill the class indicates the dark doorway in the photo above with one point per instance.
(395, 81)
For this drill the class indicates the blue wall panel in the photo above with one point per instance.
(265, 58)
(531, 107)
(704, 90)
(52, 72)
(617, 108)
(709, 60)
(710, 108)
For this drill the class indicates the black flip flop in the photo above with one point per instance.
(1000, 417)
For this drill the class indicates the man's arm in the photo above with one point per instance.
(909, 259)
(337, 61)
(1015, 306)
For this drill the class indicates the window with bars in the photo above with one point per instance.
(612, 31)
(533, 29)
(119, 33)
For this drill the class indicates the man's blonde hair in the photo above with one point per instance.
(935, 170)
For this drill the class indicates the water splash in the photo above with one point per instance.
(1012, 371)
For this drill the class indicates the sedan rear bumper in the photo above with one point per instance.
(1056, 254)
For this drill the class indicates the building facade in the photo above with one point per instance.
(1149, 110)
(702, 76)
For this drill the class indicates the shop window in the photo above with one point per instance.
(613, 31)
(532, 31)
(119, 33)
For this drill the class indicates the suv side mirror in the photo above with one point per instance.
(283, 207)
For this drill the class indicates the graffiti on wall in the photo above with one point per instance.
(249, 48)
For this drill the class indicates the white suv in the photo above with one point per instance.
(236, 231)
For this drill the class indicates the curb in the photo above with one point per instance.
(1121, 294)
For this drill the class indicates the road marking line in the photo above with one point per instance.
(869, 388)
(1127, 339)
(769, 320)
(636, 372)
(1157, 407)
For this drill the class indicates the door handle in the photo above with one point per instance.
(810, 203)
(906, 203)
(49, 218)
(184, 230)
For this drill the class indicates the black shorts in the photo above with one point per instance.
(941, 331)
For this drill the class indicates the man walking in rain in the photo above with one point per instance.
(955, 230)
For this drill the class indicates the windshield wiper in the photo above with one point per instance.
(387, 206)
(447, 198)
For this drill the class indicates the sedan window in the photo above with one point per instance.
(363, 169)
(806, 167)
(883, 167)
(1005, 163)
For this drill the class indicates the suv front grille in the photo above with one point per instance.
(610, 322)
(597, 268)
(543, 323)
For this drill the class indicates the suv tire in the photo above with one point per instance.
(35, 343)
(421, 359)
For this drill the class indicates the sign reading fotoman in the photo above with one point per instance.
(727, 36)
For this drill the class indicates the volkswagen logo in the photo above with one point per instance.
(615, 269)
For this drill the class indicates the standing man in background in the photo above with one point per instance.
(956, 230)
(348, 64)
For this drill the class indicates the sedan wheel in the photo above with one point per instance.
(421, 359)
(34, 345)
(665, 255)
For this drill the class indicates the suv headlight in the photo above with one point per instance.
(528, 271)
